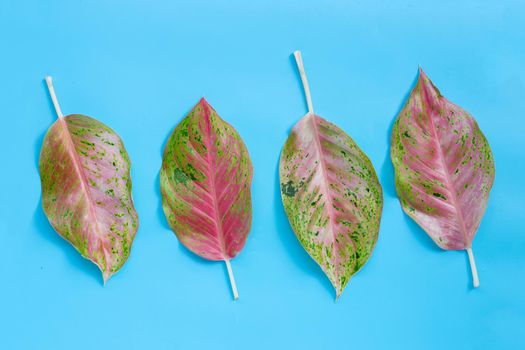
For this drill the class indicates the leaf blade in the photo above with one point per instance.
(331, 196)
(444, 168)
(86, 190)
(205, 179)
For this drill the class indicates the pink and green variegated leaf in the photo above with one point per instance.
(205, 182)
(86, 190)
(443, 164)
(332, 197)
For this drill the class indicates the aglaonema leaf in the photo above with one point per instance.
(331, 195)
(86, 189)
(205, 182)
(444, 168)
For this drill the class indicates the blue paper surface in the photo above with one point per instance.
(140, 66)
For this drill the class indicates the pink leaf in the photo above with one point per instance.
(86, 189)
(444, 168)
(205, 183)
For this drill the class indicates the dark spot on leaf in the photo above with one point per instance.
(288, 189)
(439, 195)
(314, 203)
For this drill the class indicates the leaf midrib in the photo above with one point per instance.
(326, 191)
(83, 179)
(452, 190)
(212, 183)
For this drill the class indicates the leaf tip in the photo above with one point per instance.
(422, 74)
(106, 275)
(203, 102)
(205, 105)
(338, 292)
(427, 84)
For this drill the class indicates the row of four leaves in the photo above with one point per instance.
(443, 165)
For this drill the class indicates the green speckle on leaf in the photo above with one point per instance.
(179, 176)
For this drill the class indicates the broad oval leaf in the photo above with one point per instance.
(205, 182)
(332, 197)
(443, 164)
(86, 190)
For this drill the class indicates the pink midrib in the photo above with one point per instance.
(83, 179)
(453, 197)
(326, 192)
(211, 182)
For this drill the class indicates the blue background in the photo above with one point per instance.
(140, 66)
